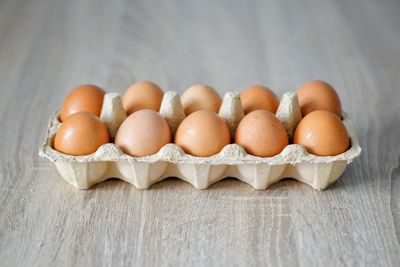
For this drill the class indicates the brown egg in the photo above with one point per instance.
(316, 95)
(258, 97)
(261, 134)
(143, 133)
(199, 97)
(322, 133)
(203, 133)
(142, 95)
(84, 98)
(81, 134)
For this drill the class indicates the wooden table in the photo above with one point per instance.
(47, 47)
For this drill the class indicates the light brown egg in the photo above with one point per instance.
(261, 134)
(203, 133)
(199, 97)
(258, 97)
(322, 133)
(317, 95)
(143, 133)
(84, 98)
(81, 134)
(142, 95)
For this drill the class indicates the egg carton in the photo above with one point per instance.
(171, 161)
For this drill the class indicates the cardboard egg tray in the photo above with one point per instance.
(171, 161)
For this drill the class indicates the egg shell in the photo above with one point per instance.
(258, 97)
(232, 161)
(84, 98)
(261, 134)
(203, 133)
(317, 95)
(143, 133)
(142, 95)
(322, 133)
(81, 134)
(200, 96)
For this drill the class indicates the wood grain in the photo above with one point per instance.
(47, 47)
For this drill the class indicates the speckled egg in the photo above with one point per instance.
(261, 134)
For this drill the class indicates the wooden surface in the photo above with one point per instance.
(48, 47)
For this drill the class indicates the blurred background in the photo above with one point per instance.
(227, 44)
